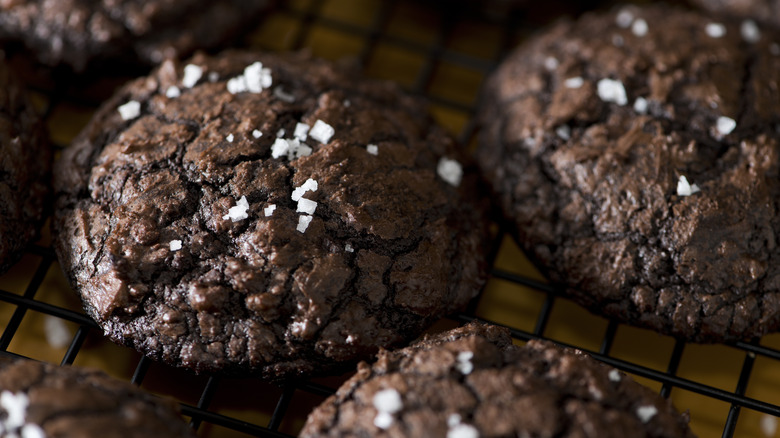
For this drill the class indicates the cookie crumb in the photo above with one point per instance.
(130, 110)
(268, 211)
(257, 134)
(303, 222)
(239, 212)
(640, 27)
(715, 30)
(172, 92)
(322, 132)
(575, 82)
(192, 74)
(645, 413)
(725, 125)
(450, 171)
(372, 149)
(611, 90)
(750, 31)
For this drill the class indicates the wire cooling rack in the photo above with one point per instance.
(442, 50)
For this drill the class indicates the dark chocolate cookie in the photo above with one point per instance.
(76, 32)
(474, 382)
(767, 11)
(637, 153)
(39, 400)
(268, 214)
(25, 170)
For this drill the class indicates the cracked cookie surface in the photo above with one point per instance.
(40, 399)
(267, 214)
(25, 170)
(78, 32)
(637, 154)
(474, 382)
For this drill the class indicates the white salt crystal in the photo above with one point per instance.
(283, 96)
(130, 110)
(715, 30)
(383, 420)
(550, 63)
(306, 206)
(175, 245)
(450, 171)
(349, 248)
(750, 31)
(725, 125)
(301, 131)
(575, 82)
(15, 405)
(257, 134)
(229, 138)
(463, 431)
(768, 425)
(257, 78)
(563, 131)
(239, 212)
(268, 211)
(192, 74)
(624, 18)
(279, 148)
(640, 105)
(321, 132)
(308, 185)
(32, 431)
(686, 189)
(610, 90)
(614, 375)
(463, 363)
(372, 149)
(639, 28)
(303, 222)
(57, 333)
(388, 400)
(645, 413)
(172, 92)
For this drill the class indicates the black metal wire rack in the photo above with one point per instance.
(451, 46)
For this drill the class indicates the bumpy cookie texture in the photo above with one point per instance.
(274, 215)
(77, 32)
(767, 11)
(42, 400)
(473, 382)
(637, 153)
(25, 170)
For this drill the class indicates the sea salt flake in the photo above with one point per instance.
(349, 248)
(57, 333)
(463, 363)
(309, 185)
(32, 431)
(15, 405)
(575, 82)
(750, 31)
(280, 133)
(550, 63)
(279, 148)
(349, 339)
(257, 134)
(268, 211)
(229, 138)
(715, 30)
(283, 95)
(686, 189)
(213, 76)
(172, 92)
(372, 149)
(130, 110)
(301, 131)
(322, 132)
(725, 125)
(175, 245)
(624, 18)
(387, 400)
(453, 420)
(610, 90)
(237, 85)
(563, 131)
(303, 222)
(383, 420)
(306, 206)
(614, 375)
(768, 425)
(450, 171)
(640, 105)
(463, 431)
(239, 212)
(257, 78)
(303, 150)
(639, 28)
(645, 413)
(347, 103)
(192, 74)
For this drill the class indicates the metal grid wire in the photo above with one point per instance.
(279, 411)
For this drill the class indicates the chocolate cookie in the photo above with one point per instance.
(267, 214)
(25, 170)
(767, 11)
(637, 154)
(76, 32)
(473, 382)
(39, 399)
